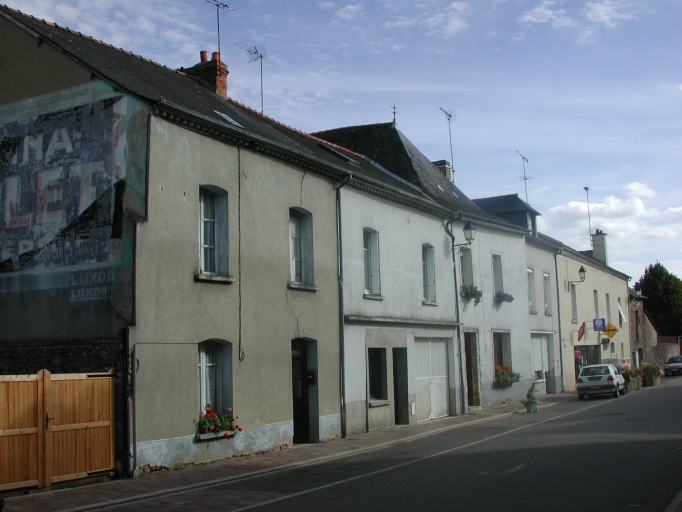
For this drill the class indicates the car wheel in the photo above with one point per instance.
(625, 390)
(616, 393)
(581, 396)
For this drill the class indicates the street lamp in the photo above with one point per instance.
(582, 273)
(469, 233)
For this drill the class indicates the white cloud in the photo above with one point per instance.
(545, 13)
(637, 189)
(326, 5)
(349, 12)
(607, 12)
(448, 22)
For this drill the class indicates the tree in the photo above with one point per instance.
(663, 292)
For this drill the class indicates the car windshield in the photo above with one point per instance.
(595, 370)
(675, 360)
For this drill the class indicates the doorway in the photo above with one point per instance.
(401, 400)
(299, 383)
(472, 369)
(432, 378)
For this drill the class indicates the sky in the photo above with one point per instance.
(590, 92)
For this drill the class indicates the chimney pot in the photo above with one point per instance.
(444, 167)
(215, 56)
(204, 55)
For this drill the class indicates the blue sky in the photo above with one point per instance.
(589, 91)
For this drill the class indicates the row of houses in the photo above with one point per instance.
(321, 285)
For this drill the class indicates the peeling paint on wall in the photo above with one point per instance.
(58, 176)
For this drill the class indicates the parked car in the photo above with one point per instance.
(673, 365)
(600, 379)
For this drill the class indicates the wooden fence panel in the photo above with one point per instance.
(21, 431)
(55, 428)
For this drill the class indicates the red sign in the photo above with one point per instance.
(577, 355)
(581, 331)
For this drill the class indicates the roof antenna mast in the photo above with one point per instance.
(589, 221)
(395, 110)
(449, 117)
(256, 53)
(525, 178)
(218, 6)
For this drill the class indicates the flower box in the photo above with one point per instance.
(210, 436)
(504, 297)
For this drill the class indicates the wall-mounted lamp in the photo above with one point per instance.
(582, 273)
(469, 234)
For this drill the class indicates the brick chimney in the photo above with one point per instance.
(211, 73)
(599, 251)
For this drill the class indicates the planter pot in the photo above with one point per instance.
(652, 380)
(210, 436)
(634, 385)
(532, 408)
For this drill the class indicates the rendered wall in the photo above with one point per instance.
(257, 314)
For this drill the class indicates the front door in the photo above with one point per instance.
(299, 370)
(432, 378)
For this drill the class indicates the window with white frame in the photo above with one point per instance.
(502, 349)
(498, 283)
(209, 375)
(608, 308)
(428, 273)
(213, 231)
(596, 304)
(301, 246)
(532, 305)
(620, 313)
(370, 244)
(547, 288)
(574, 304)
(466, 267)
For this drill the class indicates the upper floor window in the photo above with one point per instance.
(574, 304)
(608, 307)
(547, 288)
(428, 273)
(532, 306)
(596, 304)
(620, 314)
(213, 230)
(370, 244)
(467, 267)
(301, 245)
(498, 283)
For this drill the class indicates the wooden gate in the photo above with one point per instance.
(55, 428)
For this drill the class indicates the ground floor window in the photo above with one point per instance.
(376, 366)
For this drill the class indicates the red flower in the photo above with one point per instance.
(225, 434)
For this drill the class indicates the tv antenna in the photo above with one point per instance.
(589, 221)
(449, 117)
(256, 53)
(218, 6)
(525, 178)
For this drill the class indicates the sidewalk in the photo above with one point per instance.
(94, 496)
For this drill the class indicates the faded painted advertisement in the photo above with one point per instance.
(60, 185)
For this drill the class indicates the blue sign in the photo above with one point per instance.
(599, 324)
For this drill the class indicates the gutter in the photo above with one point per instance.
(558, 309)
(342, 326)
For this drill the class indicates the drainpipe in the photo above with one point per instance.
(448, 230)
(339, 265)
(558, 309)
(133, 364)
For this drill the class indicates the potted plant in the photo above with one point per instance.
(531, 401)
(504, 376)
(504, 297)
(212, 425)
(633, 380)
(652, 374)
(469, 291)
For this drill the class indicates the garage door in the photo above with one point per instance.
(432, 378)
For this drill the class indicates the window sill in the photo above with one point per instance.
(210, 436)
(293, 285)
(213, 278)
(548, 314)
(574, 321)
(532, 312)
(429, 303)
(379, 403)
(372, 296)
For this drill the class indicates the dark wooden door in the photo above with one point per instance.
(299, 371)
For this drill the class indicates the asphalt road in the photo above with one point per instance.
(599, 455)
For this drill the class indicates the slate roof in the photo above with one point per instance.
(505, 204)
(388, 146)
(157, 84)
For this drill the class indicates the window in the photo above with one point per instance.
(370, 242)
(208, 374)
(574, 304)
(215, 375)
(596, 304)
(213, 231)
(467, 267)
(608, 307)
(620, 314)
(531, 291)
(547, 287)
(498, 285)
(428, 273)
(502, 348)
(301, 245)
(376, 363)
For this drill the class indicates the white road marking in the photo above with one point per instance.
(501, 472)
